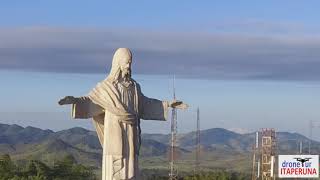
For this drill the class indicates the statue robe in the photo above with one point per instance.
(116, 111)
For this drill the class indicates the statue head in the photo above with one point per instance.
(121, 65)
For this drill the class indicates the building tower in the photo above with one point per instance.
(268, 149)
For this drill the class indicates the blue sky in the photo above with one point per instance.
(149, 14)
(247, 64)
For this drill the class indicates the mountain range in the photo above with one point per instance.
(220, 148)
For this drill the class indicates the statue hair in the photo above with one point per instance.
(115, 72)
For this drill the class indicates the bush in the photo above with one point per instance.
(66, 169)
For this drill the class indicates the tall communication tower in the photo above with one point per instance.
(312, 125)
(310, 135)
(255, 163)
(268, 152)
(197, 163)
(173, 175)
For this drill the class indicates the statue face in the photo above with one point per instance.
(125, 66)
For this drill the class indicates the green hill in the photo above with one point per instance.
(220, 148)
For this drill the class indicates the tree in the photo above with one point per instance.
(66, 169)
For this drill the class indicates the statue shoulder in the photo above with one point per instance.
(136, 84)
(105, 84)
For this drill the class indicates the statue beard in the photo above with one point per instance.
(126, 75)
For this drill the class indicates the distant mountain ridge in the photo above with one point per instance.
(47, 145)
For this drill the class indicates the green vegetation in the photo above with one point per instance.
(44, 154)
(219, 175)
(68, 169)
(65, 169)
(156, 174)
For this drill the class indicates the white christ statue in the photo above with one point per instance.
(116, 106)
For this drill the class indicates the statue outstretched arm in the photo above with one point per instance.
(69, 100)
(82, 107)
(154, 109)
(178, 104)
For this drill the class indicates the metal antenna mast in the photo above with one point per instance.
(310, 135)
(173, 175)
(198, 141)
(255, 175)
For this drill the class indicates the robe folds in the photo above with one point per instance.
(116, 112)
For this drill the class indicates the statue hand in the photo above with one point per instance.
(178, 104)
(68, 100)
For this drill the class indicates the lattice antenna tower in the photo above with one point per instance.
(312, 125)
(173, 175)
